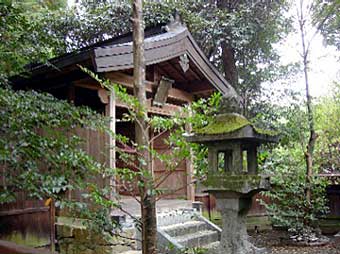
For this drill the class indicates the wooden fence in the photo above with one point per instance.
(28, 222)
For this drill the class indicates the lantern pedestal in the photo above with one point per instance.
(234, 198)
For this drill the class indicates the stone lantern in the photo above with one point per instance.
(232, 176)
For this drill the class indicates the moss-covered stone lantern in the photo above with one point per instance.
(232, 176)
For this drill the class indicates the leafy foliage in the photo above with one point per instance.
(327, 119)
(289, 207)
(39, 149)
(327, 18)
(285, 163)
(41, 156)
(25, 34)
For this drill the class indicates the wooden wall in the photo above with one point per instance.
(176, 183)
(94, 143)
(27, 222)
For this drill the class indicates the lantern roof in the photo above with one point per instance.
(231, 126)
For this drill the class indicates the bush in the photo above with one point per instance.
(289, 207)
(39, 152)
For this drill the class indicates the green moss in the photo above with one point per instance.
(225, 123)
(29, 239)
(232, 182)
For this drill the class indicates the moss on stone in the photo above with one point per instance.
(237, 183)
(75, 238)
(233, 179)
(227, 123)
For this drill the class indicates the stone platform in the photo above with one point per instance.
(130, 205)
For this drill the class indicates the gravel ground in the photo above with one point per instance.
(276, 242)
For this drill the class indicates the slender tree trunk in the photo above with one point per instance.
(312, 134)
(229, 64)
(228, 54)
(148, 199)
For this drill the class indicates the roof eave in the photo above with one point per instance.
(247, 133)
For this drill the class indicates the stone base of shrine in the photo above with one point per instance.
(234, 237)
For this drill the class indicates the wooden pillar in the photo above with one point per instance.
(110, 111)
(190, 171)
(52, 225)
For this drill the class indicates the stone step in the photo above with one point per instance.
(132, 252)
(185, 228)
(175, 217)
(213, 245)
(198, 239)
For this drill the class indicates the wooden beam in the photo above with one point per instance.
(204, 91)
(24, 211)
(163, 72)
(47, 82)
(199, 87)
(175, 62)
(103, 96)
(180, 95)
(195, 74)
(127, 81)
(167, 110)
(88, 84)
(179, 71)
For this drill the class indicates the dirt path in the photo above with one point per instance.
(275, 242)
(306, 250)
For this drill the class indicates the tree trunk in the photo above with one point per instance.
(228, 54)
(312, 134)
(148, 200)
(229, 64)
